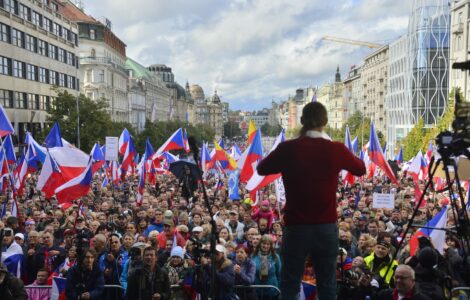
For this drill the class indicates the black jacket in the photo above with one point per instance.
(142, 284)
(80, 281)
(12, 288)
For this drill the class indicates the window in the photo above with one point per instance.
(93, 53)
(9, 5)
(70, 82)
(52, 77)
(61, 79)
(100, 76)
(20, 100)
(42, 47)
(61, 55)
(48, 103)
(52, 51)
(92, 34)
(42, 102)
(18, 69)
(31, 72)
(17, 37)
(46, 24)
(6, 98)
(5, 65)
(4, 33)
(36, 18)
(56, 29)
(24, 12)
(43, 75)
(70, 58)
(30, 43)
(33, 101)
(65, 33)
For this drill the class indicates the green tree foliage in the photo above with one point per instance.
(414, 141)
(269, 130)
(232, 129)
(95, 122)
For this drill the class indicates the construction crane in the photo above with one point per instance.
(352, 42)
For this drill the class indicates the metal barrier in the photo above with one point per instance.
(461, 293)
(114, 292)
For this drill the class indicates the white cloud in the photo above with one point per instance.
(251, 50)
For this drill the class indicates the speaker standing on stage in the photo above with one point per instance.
(310, 167)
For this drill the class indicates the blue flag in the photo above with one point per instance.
(233, 179)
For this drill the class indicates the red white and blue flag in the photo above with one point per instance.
(399, 157)
(9, 150)
(54, 138)
(123, 141)
(128, 155)
(348, 177)
(308, 291)
(429, 152)
(50, 177)
(58, 288)
(247, 163)
(141, 186)
(376, 154)
(437, 235)
(77, 187)
(97, 157)
(205, 158)
(176, 141)
(13, 258)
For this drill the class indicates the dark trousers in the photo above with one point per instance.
(320, 241)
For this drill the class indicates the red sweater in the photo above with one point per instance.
(310, 168)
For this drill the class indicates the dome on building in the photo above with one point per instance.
(196, 92)
(215, 98)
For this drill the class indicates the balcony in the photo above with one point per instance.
(102, 61)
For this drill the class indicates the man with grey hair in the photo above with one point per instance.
(405, 288)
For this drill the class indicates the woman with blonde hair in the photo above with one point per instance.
(268, 267)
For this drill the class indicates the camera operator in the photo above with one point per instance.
(85, 280)
(112, 262)
(149, 282)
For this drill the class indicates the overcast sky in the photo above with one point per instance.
(251, 51)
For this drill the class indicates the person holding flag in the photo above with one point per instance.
(310, 167)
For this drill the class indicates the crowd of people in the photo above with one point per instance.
(159, 250)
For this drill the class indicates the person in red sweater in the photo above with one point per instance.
(310, 167)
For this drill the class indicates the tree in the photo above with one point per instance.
(413, 142)
(232, 129)
(95, 122)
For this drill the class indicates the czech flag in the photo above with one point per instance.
(13, 259)
(429, 152)
(437, 236)
(141, 186)
(58, 288)
(50, 177)
(123, 141)
(235, 152)
(250, 157)
(97, 157)
(205, 158)
(5, 124)
(348, 177)
(54, 138)
(129, 155)
(376, 154)
(399, 157)
(175, 142)
(257, 181)
(251, 132)
(77, 187)
(308, 291)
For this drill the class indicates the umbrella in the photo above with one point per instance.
(181, 167)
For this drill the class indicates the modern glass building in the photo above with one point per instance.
(425, 71)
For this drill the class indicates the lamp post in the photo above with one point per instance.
(78, 120)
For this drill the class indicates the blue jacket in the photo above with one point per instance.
(274, 273)
(80, 281)
(247, 274)
(153, 226)
(116, 266)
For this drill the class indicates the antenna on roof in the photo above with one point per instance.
(80, 5)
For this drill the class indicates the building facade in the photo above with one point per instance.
(38, 50)
(374, 80)
(459, 45)
(352, 91)
(215, 109)
(103, 74)
(331, 96)
(397, 100)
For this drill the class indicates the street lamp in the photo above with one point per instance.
(78, 120)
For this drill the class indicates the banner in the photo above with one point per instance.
(280, 191)
(233, 179)
(112, 148)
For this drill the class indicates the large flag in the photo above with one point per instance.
(97, 157)
(129, 155)
(308, 291)
(233, 185)
(58, 288)
(235, 152)
(251, 132)
(355, 145)
(50, 177)
(429, 152)
(377, 156)
(175, 142)
(348, 177)
(148, 150)
(5, 124)
(205, 158)
(257, 181)
(71, 161)
(437, 236)
(415, 168)
(54, 138)
(141, 186)
(77, 187)
(247, 163)
(13, 258)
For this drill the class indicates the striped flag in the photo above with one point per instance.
(58, 288)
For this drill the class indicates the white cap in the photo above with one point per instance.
(198, 229)
(20, 235)
(220, 248)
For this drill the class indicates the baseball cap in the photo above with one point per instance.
(183, 228)
(168, 222)
(168, 214)
(220, 248)
(19, 235)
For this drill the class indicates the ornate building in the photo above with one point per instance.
(208, 110)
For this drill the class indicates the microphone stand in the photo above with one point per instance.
(213, 235)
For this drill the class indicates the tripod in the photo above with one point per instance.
(459, 214)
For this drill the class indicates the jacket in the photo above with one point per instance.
(392, 294)
(37, 292)
(246, 278)
(142, 284)
(382, 268)
(81, 281)
(274, 273)
(116, 266)
(12, 288)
